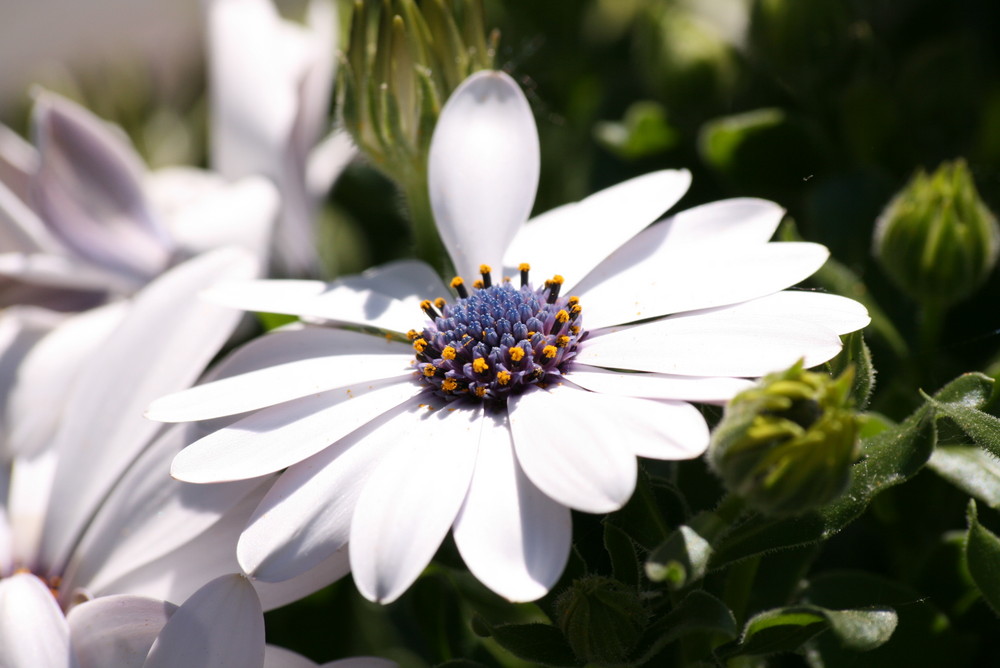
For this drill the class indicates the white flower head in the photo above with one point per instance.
(515, 408)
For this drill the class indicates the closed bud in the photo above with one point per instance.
(602, 620)
(787, 445)
(936, 239)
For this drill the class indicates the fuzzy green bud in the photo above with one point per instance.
(787, 445)
(937, 239)
(403, 60)
(602, 620)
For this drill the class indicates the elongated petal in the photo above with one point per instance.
(47, 373)
(649, 283)
(163, 343)
(70, 273)
(702, 389)
(719, 343)
(89, 191)
(387, 297)
(117, 630)
(18, 163)
(840, 314)
(411, 500)
(33, 631)
(306, 516)
(482, 170)
(512, 537)
(277, 437)
(279, 657)
(572, 239)
(20, 228)
(222, 624)
(289, 365)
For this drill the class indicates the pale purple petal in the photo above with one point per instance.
(482, 170)
(65, 272)
(315, 359)
(20, 228)
(89, 191)
(386, 297)
(18, 163)
(279, 657)
(650, 281)
(572, 239)
(222, 624)
(411, 500)
(717, 343)
(163, 343)
(513, 538)
(306, 516)
(277, 437)
(703, 389)
(117, 630)
(33, 631)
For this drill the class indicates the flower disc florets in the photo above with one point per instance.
(497, 339)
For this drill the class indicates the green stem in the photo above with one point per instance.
(427, 241)
(932, 315)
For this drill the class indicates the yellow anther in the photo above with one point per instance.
(426, 304)
(479, 365)
(478, 284)
(449, 384)
(419, 345)
(573, 301)
(562, 316)
(575, 309)
(503, 377)
(524, 266)
(440, 302)
(485, 269)
(517, 353)
(480, 391)
(413, 335)
(556, 280)
(448, 353)
(575, 329)
(549, 352)
(562, 341)
(457, 281)
(429, 370)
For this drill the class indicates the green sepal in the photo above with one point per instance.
(855, 354)
(982, 555)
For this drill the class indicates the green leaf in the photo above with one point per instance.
(624, 560)
(543, 644)
(643, 131)
(982, 554)
(698, 612)
(971, 469)
(982, 428)
(786, 629)
(856, 353)
(684, 556)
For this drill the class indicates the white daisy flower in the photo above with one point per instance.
(94, 536)
(523, 400)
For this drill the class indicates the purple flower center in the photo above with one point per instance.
(498, 339)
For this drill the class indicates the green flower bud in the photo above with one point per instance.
(403, 61)
(787, 445)
(602, 620)
(936, 238)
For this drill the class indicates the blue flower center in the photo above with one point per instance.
(497, 339)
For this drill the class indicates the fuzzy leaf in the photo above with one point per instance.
(982, 554)
(971, 469)
(539, 643)
(786, 629)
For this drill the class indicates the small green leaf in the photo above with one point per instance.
(856, 353)
(624, 560)
(698, 612)
(683, 557)
(786, 629)
(982, 554)
(862, 630)
(543, 644)
(271, 321)
(971, 469)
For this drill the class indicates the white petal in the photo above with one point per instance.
(222, 624)
(277, 594)
(482, 170)
(18, 163)
(146, 516)
(386, 297)
(411, 500)
(47, 373)
(117, 630)
(727, 223)
(572, 239)
(20, 228)
(718, 343)
(306, 516)
(33, 631)
(513, 538)
(162, 345)
(89, 191)
(280, 436)
(72, 273)
(279, 657)
(289, 365)
(651, 281)
(840, 314)
(702, 389)
(361, 662)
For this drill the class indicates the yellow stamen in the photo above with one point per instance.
(449, 384)
(556, 280)
(517, 353)
(429, 370)
(524, 266)
(478, 284)
(503, 377)
(440, 302)
(480, 391)
(562, 341)
(479, 365)
(448, 353)
(413, 335)
(562, 316)
(485, 269)
(549, 352)
(575, 329)
(573, 301)
(457, 281)
(575, 309)
(419, 345)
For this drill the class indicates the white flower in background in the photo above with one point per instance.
(524, 400)
(80, 214)
(90, 523)
(269, 87)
